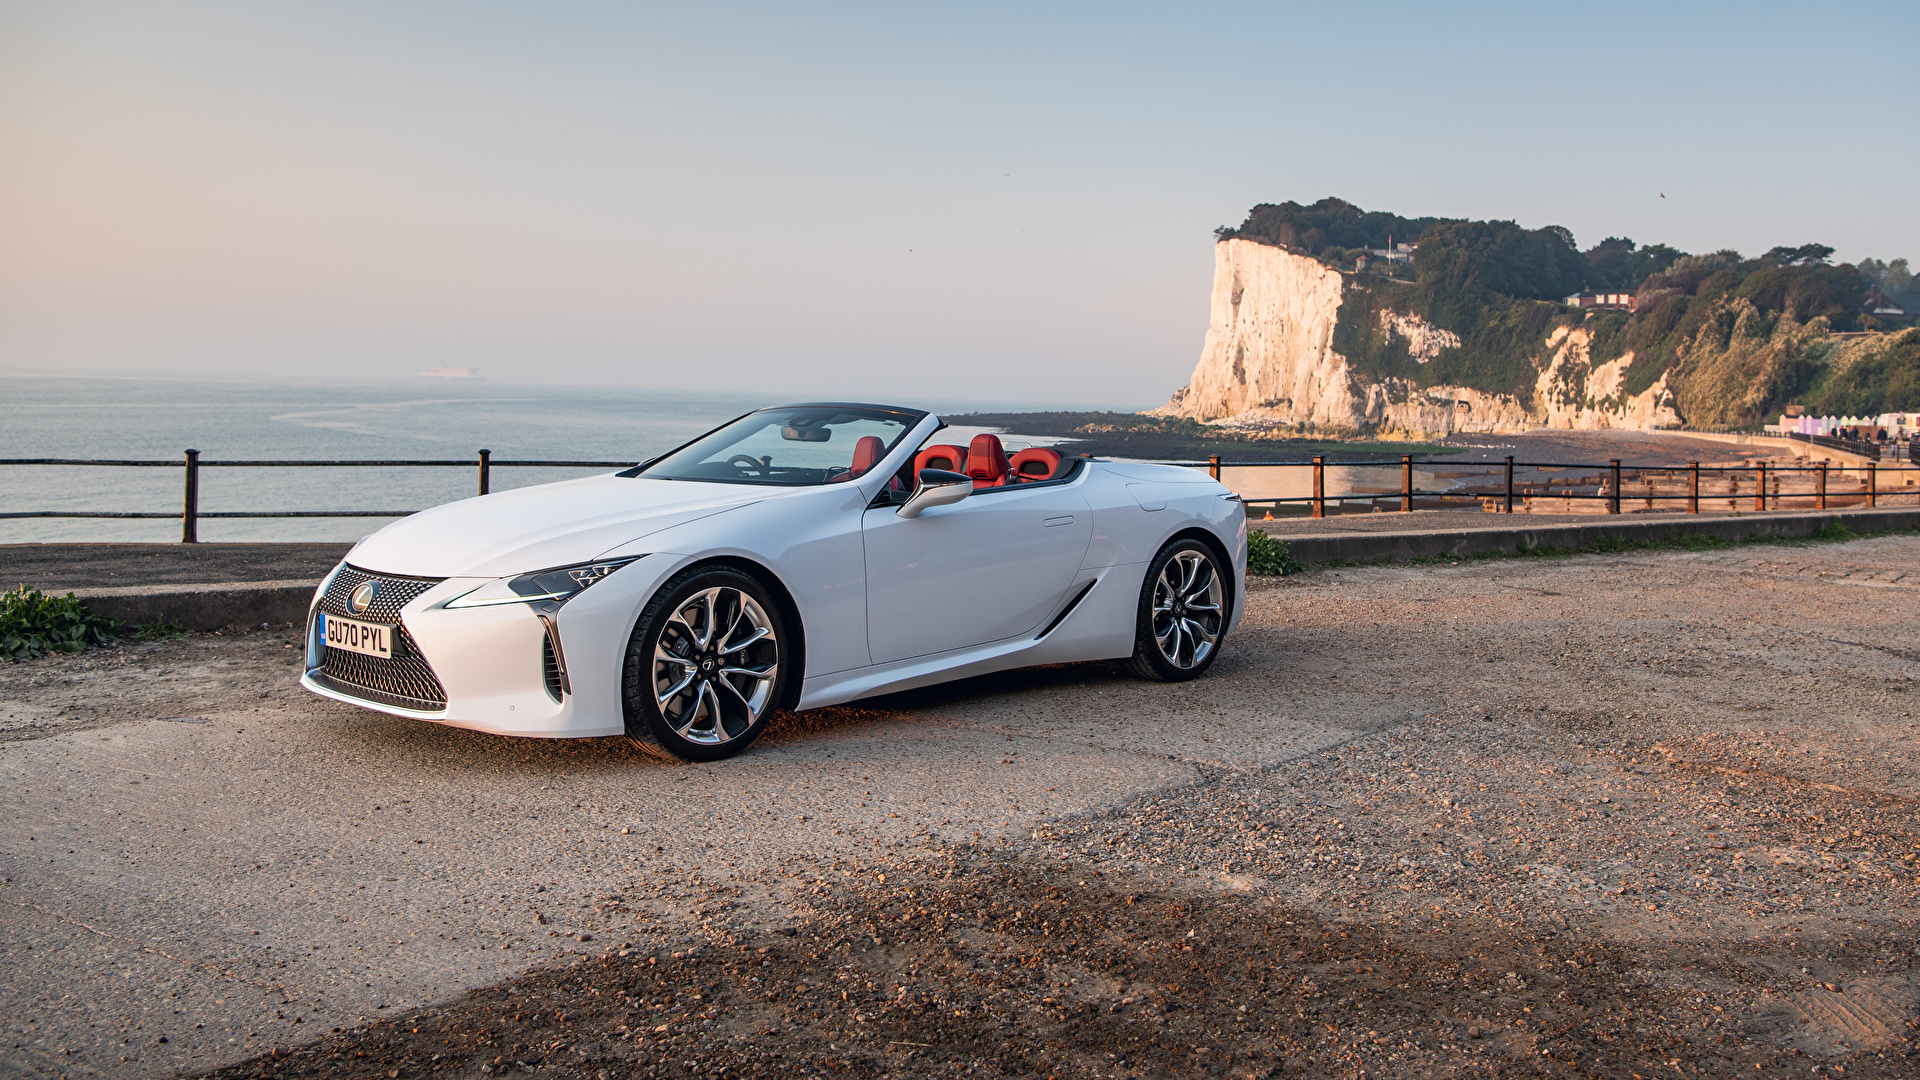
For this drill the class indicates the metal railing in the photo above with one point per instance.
(190, 513)
(1892, 449)
(1763, 483)
(1767, 490)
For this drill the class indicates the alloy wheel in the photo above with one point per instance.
(715, 666)
(1187, 609)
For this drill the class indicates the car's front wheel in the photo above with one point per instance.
(1183, 613)
(705, 666)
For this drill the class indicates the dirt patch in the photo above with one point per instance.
(178, 679)
(1464, 894)
(1641, 814)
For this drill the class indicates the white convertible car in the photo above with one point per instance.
(799, 556)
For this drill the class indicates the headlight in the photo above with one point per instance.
(559, 585)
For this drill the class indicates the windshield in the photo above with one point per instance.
(793, 444)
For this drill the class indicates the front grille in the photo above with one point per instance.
(407, 680)
(392, 594)
(550, 667)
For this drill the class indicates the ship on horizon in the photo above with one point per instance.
(451, 374)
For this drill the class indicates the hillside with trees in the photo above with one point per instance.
(1738, 337)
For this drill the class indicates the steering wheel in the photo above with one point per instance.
(745, 462)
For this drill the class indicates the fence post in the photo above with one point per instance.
(1509, 483)
(1319, 485)
(1693, 489)
(1760, 493)
(1406, 483)
(190, 504)
(1873, 487)
(486, 466)
(1823, 485)
(1213, 466)
(1613, 500)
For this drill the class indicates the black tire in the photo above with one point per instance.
(1175, 637)
(718, 635)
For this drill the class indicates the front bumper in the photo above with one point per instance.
(495, 668)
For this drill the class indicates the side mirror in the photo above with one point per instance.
(937, 487)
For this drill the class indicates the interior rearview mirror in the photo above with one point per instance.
(935, 487)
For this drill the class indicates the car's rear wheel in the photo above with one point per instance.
(1183, 613)
(706, 666)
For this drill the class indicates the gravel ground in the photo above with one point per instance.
(1627, 815)
(1285, 525)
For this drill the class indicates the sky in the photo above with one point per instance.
(1007, 203)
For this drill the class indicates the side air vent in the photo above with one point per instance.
(550, 668)
(1068, 610)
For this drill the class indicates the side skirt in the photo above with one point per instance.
(1097, 624)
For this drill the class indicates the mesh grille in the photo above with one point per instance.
(550, 667)
(407, 680)
(391, 594)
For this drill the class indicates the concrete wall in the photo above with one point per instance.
(205, 607)
(1402, 546)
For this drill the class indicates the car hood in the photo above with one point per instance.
(534, 528)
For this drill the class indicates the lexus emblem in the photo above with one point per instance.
(362, 598)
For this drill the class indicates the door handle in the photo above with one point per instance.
(1056, 522)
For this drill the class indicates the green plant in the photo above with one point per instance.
(33, 624)
(1830, 532)
(161, 629)
(1271, 557)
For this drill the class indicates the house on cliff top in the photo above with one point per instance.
(1611, 301)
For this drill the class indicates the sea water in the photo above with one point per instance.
(236, 420)
(136, 418)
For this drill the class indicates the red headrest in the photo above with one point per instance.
(867, 453)
(1036, 463)
(940, 456)
(986, 460)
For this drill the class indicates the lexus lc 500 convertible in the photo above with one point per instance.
(796, 557)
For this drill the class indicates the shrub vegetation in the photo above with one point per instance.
(33, 624)
(1270, 557)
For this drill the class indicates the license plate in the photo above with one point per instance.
(367, 639)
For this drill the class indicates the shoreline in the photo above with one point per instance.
(1151, 438)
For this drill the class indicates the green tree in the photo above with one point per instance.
(1329, 223)
(1804, 255)
(1539, 264)
(1650, 260)
(1610, 263)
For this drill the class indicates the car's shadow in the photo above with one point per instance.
(998, 683)
(465, 753)
(461, 752)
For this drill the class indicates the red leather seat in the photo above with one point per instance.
(1035, 463)
(867, 453)
(940, 456)
(986, 461)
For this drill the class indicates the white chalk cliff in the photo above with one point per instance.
(1269, 363)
